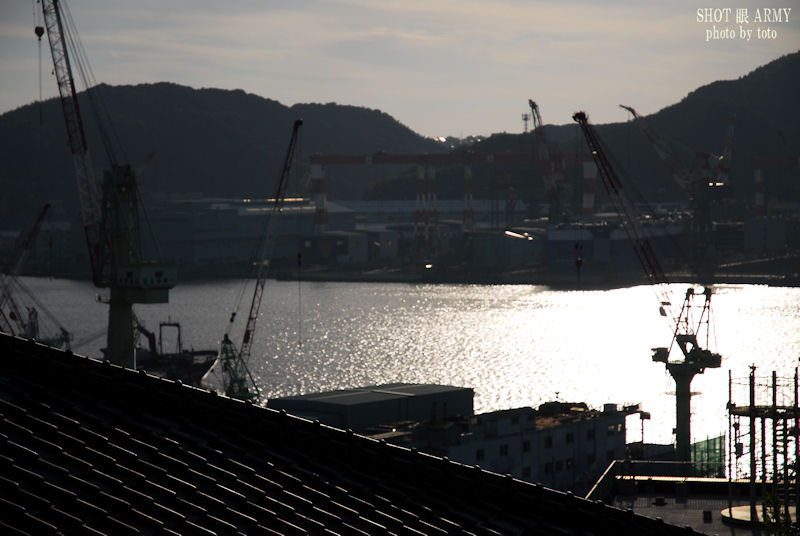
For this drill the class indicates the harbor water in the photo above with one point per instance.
(515, 345)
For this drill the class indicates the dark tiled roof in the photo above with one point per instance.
(93, 448)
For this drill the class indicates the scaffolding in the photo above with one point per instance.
(763, 421)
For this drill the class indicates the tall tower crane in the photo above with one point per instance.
(109, 208)
(236, 377)
(686, 325)
(553, 172)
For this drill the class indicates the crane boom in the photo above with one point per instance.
(11, 319)
(673, 163)
(88, 189)
(263, 265)
(13, 315)
(236, 377)
(27, 244)
(633, 228)
(552, 173)
(715, 169)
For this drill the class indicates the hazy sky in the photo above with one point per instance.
(441, 67)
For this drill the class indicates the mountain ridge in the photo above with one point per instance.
(230, 143)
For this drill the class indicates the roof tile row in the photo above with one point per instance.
(90, 447)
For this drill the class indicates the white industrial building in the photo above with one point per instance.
(561, 445)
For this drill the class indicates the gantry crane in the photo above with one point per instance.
(552, 170)
(109, 208)
(236, 377)
(686, 327)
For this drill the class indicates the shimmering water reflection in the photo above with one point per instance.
(514, 345)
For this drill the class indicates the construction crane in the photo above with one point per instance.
(13, 291)
(109, 208)
(237, 381)
(552, 170)
(686, 325)
(11, 319)
(679, 172)
(702, 181)
(714, 169)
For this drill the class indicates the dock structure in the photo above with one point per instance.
(766, 429)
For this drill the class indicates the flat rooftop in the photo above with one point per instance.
(373, 393)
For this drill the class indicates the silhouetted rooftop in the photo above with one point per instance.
(89, 447)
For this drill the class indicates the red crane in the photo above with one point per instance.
(109, 208)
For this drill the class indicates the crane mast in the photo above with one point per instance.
(109, 211)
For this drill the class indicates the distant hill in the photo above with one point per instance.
(224, 143)
(212, 142)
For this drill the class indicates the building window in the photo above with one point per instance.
(526, 472)
(570, 463)
(619, 428)
(548, 442)
(590, 458)
(611, 429)
(590, 433)
(503, 450)
(526, 446)
(570, 438)
(559, 465)
(479, 454)
(548, 468)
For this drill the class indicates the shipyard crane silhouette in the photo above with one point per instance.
(12, 318)
(702, 181)
(237, 381)
(686, 325)
(109, 207)
(714, 169)
(552, 168)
